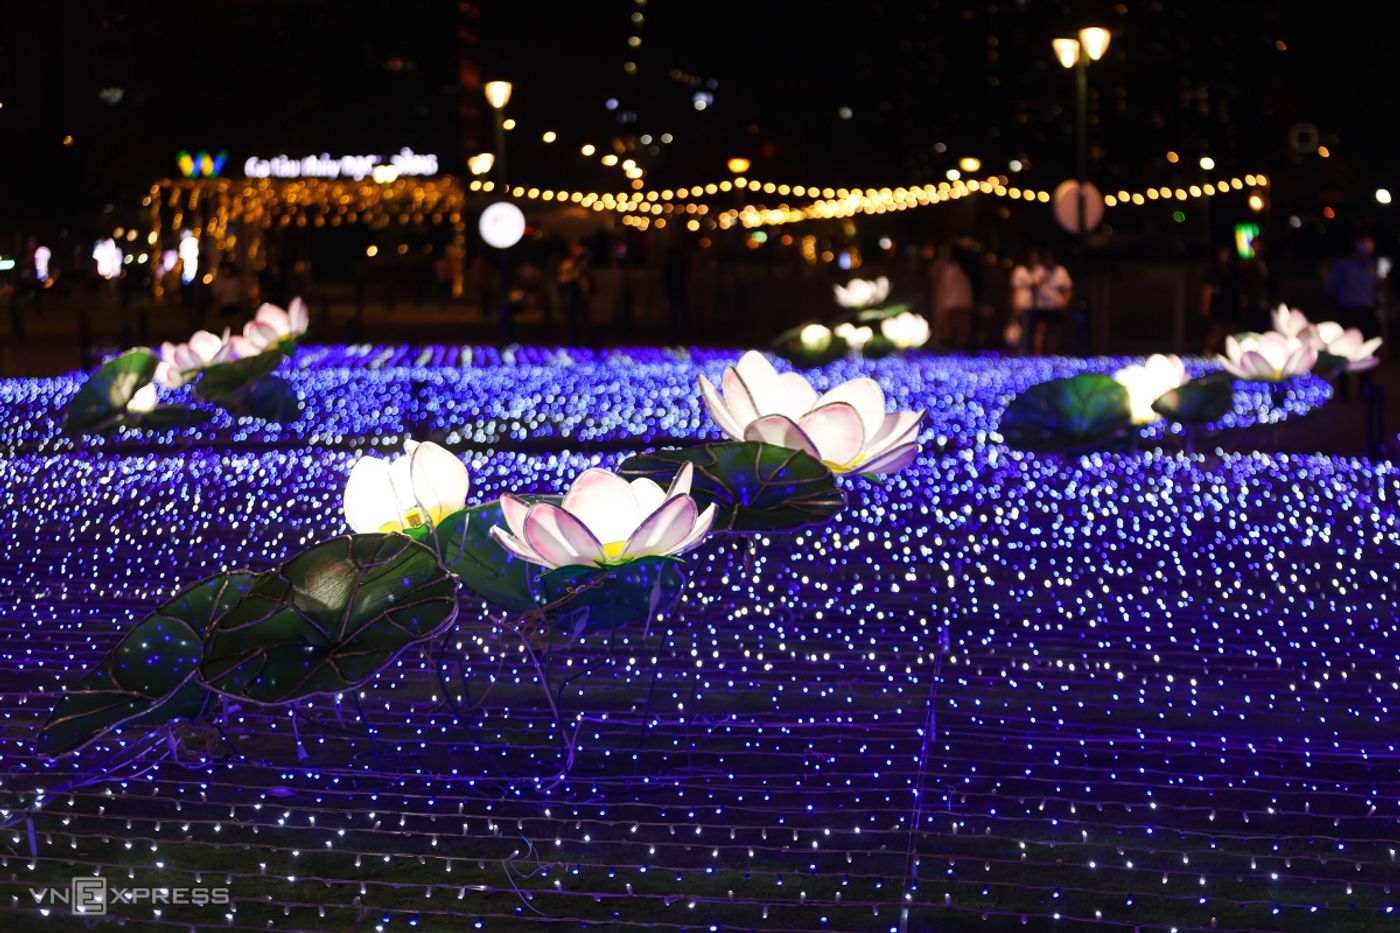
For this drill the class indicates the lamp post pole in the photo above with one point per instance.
(497, 95)
(1081, 173)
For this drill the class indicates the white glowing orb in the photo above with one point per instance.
(42, 255)
(502, 225)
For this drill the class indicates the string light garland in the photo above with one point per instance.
(207, 207)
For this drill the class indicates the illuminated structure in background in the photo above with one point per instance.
(234, 215)
(108, 256)
(220, 207)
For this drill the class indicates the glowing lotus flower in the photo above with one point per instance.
(605, 520)
(1148, 381)
(847, 428)
(1290, 321)
(1267, 357)
(272, 326)
(815, 338)
(1346, 343)
(862, 293)
(906, 330)
(426, 484)
(855, 337)
(183, 360)
(144, 399)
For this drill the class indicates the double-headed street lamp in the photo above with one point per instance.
(1077, 53)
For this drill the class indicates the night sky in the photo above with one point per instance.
(880, 94)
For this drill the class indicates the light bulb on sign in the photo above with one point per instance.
(502, 225)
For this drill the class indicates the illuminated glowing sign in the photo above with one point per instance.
(201, 164)
(1245, 235)
(405, 162)
(42, 255)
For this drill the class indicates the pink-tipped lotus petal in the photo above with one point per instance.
(275, 318)
(605, 503)
(168, 376)
(703, 522)
(1301, 361)
(1255, 365)
(513, 509)
(680, 483)
(186, 359)
(891, 461)
(559, 538)
(205, 344)
(662, 531)
(865, 396)
(837, 430)
(517, 547)
(737, 398)
(801, 397)
(258, 336)
(297, 316)
(1231, 367)
(1345, 344)
(900, 427)
(781, 431)
(1361, 365)
(719, 411)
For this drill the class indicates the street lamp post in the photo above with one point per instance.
(1077, 53)
(498, 95)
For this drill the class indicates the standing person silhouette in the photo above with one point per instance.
(1353, 284)
(1051, 299)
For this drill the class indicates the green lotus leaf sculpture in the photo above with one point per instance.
(605, 598)
(464, 541)
(1201, 401)
(149, 676)
(329, 619)
(1083, 411)
(754, 486)
(102, 401)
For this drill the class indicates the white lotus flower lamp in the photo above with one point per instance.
(272, 326)
(1346, 343)
(184, 360)
(906, 330)
(1267, 357)
(855, 337)
(846, 428)
(605, 520)
(862, 293)
(1148, 381)
(815, 338)
(425, 485)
